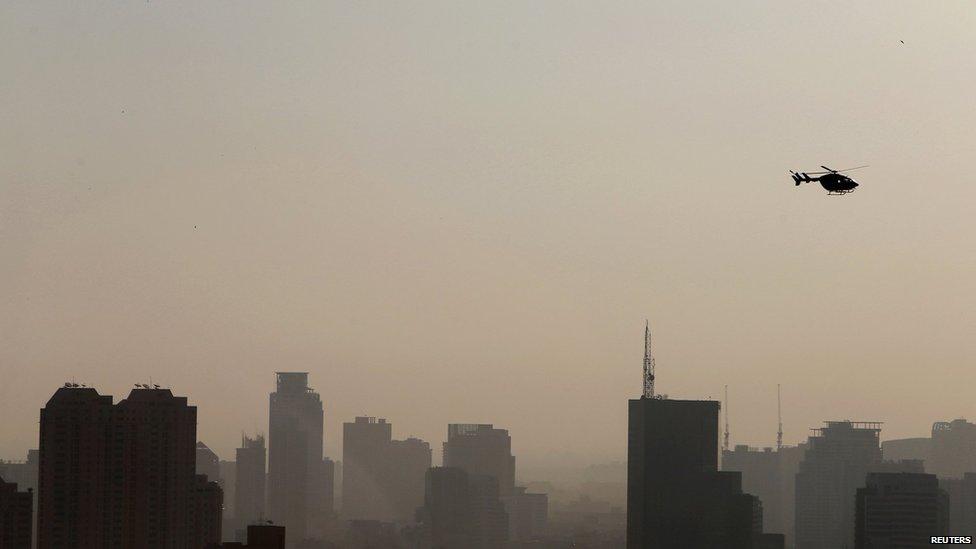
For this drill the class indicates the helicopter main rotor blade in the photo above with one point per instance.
(851, 169)
(828, 169)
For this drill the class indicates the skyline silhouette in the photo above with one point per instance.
(131, 463)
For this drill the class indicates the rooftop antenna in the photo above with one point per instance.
(779, 415)
(725, 440)
(648, 363)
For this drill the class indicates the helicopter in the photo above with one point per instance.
(831, 180)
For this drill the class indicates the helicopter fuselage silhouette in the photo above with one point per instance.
(832, 181)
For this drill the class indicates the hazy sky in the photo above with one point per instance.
(464, 211)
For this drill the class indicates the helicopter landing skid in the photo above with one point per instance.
(838, 193)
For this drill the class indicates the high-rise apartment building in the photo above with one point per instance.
(79, 490)
(116, 476)
(156, 432)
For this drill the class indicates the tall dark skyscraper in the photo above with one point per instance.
(16, 512)
(79, 500)
(481, 450)
(901, 510)
(250, 481)
(116, 476)
(676, 497)
(294, 453)
(383, 479)
(837, 461)
(157, 432)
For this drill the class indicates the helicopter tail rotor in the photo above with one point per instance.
(799, 177)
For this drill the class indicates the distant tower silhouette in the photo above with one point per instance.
(725, 438)
(779, 415)
(294, 485)
(648, 363)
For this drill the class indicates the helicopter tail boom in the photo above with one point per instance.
(801, 178)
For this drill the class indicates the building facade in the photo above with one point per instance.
(953, 450)
(206, 513)
(837, 460)
(207, 462)
(480, 449)
(260, 536)
(294, 454)
(251, 478)
(962, 504)
(118, 475)
(383, 479)
(676, 497)
(464, 511)
(769, 474)
(528, 514)
(900, 510)
(16, 516)
(24, 475)
(365, 444)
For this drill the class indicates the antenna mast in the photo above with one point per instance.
(648, 363)
(779, 415)
(725, 441)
